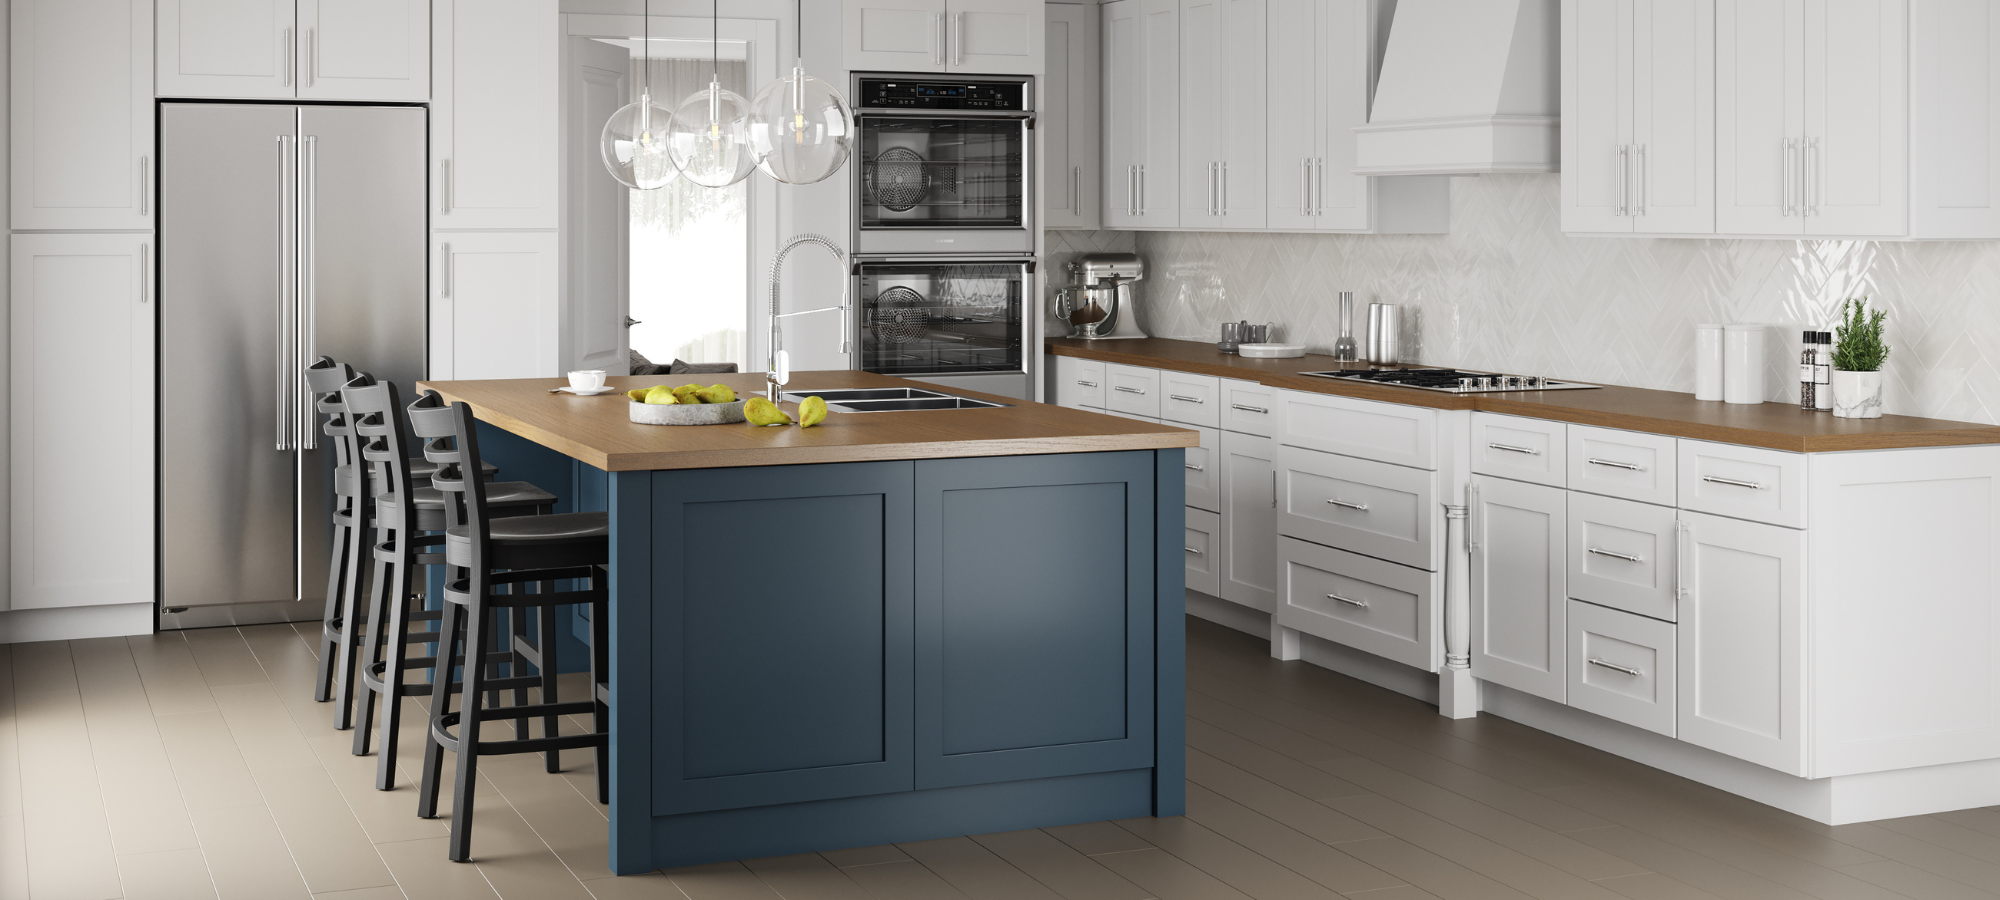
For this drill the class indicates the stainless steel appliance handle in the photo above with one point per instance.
(1615, 464)
(308, 290)
(1624, 556)
(1604, 664)
(1753, 485)
(1363, 604)
(1360, 506)
(285, 373)
(1513, 449)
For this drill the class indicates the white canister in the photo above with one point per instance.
(1708, 362)
(1743, 364)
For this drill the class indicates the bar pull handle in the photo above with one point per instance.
(1606, 664)
(1681, 531)
(312, 57)
(1184, 398)
(1192, 550)
(1359, 604)
(1510, 448)
(1363, 507)
(145, 185)
(1788, 177)
(1127, 390)
(1809, 172)
(1305, 186)
(286, 48)
(937, 39)
(1711, 479)
(1274, 488)
(958, 39)
(145, 281)
(444, 270)
(1254, 409)
(1629, 467)
(1639, 186)
(1624, 556)
(444, 187)
(1624, 181)
(1222, 202)
(1472, 518)
(1191, 467)
(285, 372)
(1088, 383)
(1319, 187)
(1076, 190)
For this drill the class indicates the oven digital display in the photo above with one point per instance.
(882, 93)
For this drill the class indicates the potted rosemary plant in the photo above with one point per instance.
(1858, 353)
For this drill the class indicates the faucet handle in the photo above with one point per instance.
(781, 367)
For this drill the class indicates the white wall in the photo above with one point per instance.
(1505, 290)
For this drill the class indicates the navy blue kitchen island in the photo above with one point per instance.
(892, 627)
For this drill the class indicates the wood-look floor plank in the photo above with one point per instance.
(1686, 866)
(1399, 892)
(166, 875)
(975, 871)
(1490, 858)
(1094, 838)
(69, 847)
(142, 801)
(1312, 819)
(575, 828)
(1227, 861)
(167, 668)
(648, 886)
(1947, 834)
(1430, 871)
(1985, 820)
(384, 815)
(13, 819)
(907, 880)
(225, 660)
(802, 876)
(331, 848)
(1061, 867)
(865, 856)
(1981, 873)
(1654, 886)
(1270, 765)
(1285, 846)
(423, 871)
(1917, 884)
(1168, 877)
(247, 855)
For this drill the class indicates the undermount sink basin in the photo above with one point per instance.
(890, 400)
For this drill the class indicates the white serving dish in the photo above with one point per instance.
(1270, 351)
(685, 413)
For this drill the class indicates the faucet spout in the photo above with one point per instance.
(777, 371)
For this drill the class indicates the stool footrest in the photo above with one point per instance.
(538, 710)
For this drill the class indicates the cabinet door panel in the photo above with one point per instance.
(1296, 136)
(1250, 521)
(1517, 585)
(896, 35)
(1341, 199)
(1856, 102)
(765, 693)
(1203, 536)
(1673, 120)
(82, 114)
(1042, 670)
(993, 37)
(83, 480)
(1597, 114)
(1759, 96)
(1071, 160)
(493, 121)
(1204, 470)
(365, 50)
(1201, 97)
(227, 49)
(493, 313)
(1142, 62)
(1741, 635)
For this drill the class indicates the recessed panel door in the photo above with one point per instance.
(1759, 120)
(895, 35)
(1250, 521)
(1517, 585)
(1855, 163)
(1673, 116)
(364, 50)
(1597, 115)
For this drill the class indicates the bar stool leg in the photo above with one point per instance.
(551, 725)
(350, 593)
(342, 540)
(450, 626)
(377, 608)
(392, 675)
(479, 634)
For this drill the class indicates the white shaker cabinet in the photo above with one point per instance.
(994, 37)
(295, 49)
(1249, 521)
(493, 305)
(82, 114)
(988, 37)
(1142, 103)
(1517, 601)
(83, 481)
(1638, 87)
(493, 117)
(1069, 122)
(1222, 114)
(1740, 640)
(364, 50)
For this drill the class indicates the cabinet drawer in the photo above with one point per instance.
(1191, 399)
(1744, 482)
(1203, 531)
(1629, 464)
(1624, 555)
(1385, 432)
(1079, 383)
(1248, 407)
(1132, 389)
(1621, 666)
(1523, 449)
(1370, 605)
(1204, 471)
(1367, 507)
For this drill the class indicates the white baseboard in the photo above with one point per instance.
(19, 626)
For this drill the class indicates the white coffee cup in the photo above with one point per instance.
(586, 380)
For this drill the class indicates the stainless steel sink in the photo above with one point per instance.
(890, 400)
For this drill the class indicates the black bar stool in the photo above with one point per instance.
(343, 589)
(403, 534)
(485, 557)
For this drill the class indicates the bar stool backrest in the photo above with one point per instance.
(452, 441)
(374, 413)
(325, 379)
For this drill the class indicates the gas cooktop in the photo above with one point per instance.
(1453, 381)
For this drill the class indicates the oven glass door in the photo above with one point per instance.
(941, 318)
(927, 173)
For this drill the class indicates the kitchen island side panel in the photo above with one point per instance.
(1169, 633)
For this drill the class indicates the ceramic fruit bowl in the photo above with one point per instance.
(685, 413)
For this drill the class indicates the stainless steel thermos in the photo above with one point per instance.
(1385, 327)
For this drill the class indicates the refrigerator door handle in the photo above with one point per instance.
(286, 374)
(308, 290)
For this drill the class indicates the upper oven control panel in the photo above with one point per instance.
(900, 93)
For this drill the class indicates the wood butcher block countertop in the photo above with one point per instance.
(1779, 426)
(595, 429)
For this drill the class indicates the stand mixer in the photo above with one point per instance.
(1098, 303)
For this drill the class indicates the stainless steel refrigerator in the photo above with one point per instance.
(286, 232)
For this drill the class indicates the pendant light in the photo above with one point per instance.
(709, 139)
(801, 128)
(634, 142)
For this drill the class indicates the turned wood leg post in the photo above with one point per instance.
(1458, 692)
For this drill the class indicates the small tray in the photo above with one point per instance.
(685, 413)
(1271, 351)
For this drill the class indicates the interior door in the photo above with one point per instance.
(1517, 585)
(237, 49)
(1597, 114)
(1759, 115)
(364, 50)
(598, 302)
(993, 37)
(1856, 153)
(1673, 115)
(894, 35)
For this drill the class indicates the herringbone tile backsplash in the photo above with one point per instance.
(1507, 291)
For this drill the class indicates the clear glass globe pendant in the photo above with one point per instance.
(634, 144)
(710, 137)
(801, 128)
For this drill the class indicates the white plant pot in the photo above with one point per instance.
(1857, 395)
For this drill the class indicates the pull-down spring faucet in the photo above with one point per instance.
(779, 371)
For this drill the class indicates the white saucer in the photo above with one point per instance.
(587, 392)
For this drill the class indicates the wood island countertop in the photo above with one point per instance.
(595, 429)
(1779, 426)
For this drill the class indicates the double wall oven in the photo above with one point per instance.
(944, 228)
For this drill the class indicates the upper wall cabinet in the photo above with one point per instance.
(979, 37)
(1068, 110)
(1142, 134)
(295, 49)
(1222, 115)
(1638, 86)
(493, 119)
(82, 114)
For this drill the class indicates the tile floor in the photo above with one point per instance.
(195, 765)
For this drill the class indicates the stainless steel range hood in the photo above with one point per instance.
(1468, 87)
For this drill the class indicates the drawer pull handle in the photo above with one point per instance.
(1513, 449)
(1624, 556)
(1192, 550)
(1348, 600)
(1191, 467)
(1088, 383)
(1360, 506)
(1255, 409)
(1183, 398)
(1635, 673)
(1129, 390)
(1733, 482)
(1629, 467)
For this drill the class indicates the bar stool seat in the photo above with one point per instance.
(528, 530)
